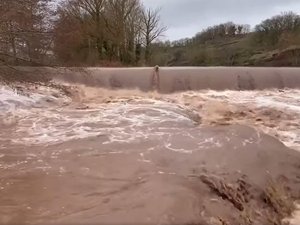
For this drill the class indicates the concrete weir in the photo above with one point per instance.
(168, 80)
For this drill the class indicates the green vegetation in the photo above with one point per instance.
(274, 42)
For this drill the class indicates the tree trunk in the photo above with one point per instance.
(147, 53)
(99, 47)
(137, 53)
(13, 46)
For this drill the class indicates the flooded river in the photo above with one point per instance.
(90, 155)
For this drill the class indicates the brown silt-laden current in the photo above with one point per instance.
(81, 155)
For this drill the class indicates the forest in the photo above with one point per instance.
(117, 33)
(273, 42)
(77, 32)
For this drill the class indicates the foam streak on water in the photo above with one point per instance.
(44, 115)
(119, 122)
(272, 111)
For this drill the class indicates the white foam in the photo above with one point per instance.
(295, 218)
(37, 122)
(120, 123)
(11, 100)
(273, 103)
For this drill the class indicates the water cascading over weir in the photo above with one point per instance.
(173, 79)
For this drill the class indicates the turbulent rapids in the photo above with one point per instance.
(70, 153)
(44, 115)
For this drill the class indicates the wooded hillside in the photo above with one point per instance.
(273, 42)
(125, 33)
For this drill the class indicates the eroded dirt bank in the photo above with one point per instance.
(95, 156)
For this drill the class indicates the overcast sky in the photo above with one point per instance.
(184, 18)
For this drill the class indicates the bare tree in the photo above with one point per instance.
(269, 31)
(119, 20)
(133, 34)
(89, 13)
(25, 30)
(151, 29)
(116, 28)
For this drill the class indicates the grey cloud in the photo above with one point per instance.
(187, 17)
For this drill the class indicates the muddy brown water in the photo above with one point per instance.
(174, 79)
(127, 157)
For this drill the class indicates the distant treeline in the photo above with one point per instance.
(273, 42)
(220, 31)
